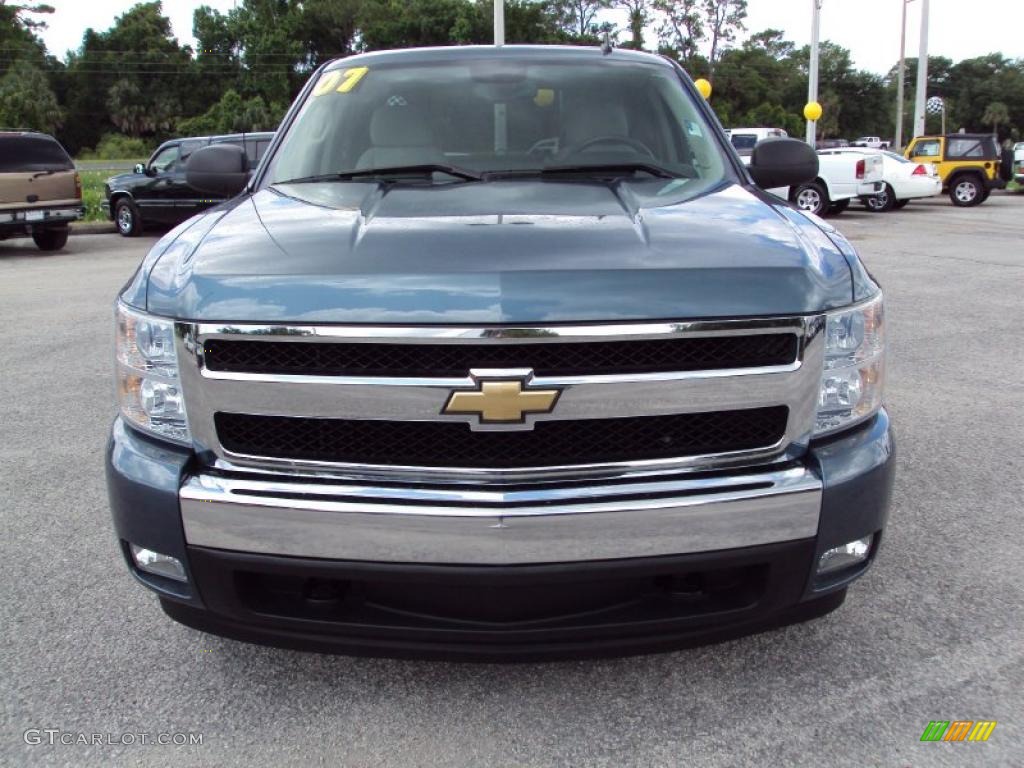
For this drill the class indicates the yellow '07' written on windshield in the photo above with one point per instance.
(339, 80)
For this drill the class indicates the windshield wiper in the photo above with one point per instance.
(398, 170)
(607, 169)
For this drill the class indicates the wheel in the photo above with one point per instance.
(882, 202)
(1006, 165)
(50, 239)
(811, 197)
(965, 191)
(127, 219)
(838, 207)
(900, 204)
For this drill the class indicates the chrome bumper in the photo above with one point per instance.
(500, 527)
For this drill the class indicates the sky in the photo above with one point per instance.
(870, 29)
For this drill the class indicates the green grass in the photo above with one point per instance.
(92, 194)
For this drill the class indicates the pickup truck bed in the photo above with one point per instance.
(840, 179)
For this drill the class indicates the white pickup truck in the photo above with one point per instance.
(871, 142)
(841, 178)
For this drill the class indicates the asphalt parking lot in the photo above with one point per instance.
(933, 632)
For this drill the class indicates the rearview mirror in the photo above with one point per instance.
(221, 169)
(779, 162)
(140, 168)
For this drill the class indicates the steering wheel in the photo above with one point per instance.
(548, 146)
(639, 146)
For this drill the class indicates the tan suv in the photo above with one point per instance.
(40, 191)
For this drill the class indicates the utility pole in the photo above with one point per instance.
(922, 74)
(499, 23)
(812, 79)
(898, 144)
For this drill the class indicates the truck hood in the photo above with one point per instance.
(122, 180)
(517, 251)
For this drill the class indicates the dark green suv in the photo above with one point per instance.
(157, 192)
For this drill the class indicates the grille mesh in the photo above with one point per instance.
(453, 444)
(546, 359)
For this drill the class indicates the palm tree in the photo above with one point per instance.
(639, 11)
(997, 114)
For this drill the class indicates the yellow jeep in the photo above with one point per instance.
(967, 163)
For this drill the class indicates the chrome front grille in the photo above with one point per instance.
(588, 358)
(549, 443)
(288, 397)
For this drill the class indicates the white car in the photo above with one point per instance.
(904, 180)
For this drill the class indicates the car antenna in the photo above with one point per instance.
(606, 44)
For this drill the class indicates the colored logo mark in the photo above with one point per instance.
(958, 730)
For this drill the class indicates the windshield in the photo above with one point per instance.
(743, 140)
(498, 115)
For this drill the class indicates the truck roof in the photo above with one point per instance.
(467, 52)
(955, 136)
(254, 135)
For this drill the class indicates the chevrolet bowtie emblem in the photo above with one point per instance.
(501, 402)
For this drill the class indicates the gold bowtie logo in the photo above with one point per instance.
(502, 402)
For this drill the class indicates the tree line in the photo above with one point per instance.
(134, 84)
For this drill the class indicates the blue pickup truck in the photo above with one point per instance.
(500, 353)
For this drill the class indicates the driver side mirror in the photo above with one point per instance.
(221, 169)
(779, 162)
(140, 168)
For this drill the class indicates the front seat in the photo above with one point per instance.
(400, 134)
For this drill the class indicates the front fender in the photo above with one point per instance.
(115, 195)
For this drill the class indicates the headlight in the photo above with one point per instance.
(148, 388)
(851, 384)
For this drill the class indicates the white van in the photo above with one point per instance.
(744, 139)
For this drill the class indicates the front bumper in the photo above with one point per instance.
(501, 573)
(345, 521)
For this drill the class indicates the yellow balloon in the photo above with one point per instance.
(812, 111)
(704, 87)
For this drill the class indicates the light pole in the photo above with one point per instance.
(812, 73)
(898, 144)
(499, 23)
(922, 73)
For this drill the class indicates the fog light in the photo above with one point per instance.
(837, 558)
(162, 565)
